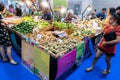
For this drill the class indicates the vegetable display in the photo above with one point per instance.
(62, 25)
(61, 46)
(82, 33)
(43, 24)
(41, 37)
(24, 27)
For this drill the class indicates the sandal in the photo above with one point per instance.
(105, 72)
(88, 69)
(13, 62)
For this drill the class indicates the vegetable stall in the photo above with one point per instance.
(50, 50)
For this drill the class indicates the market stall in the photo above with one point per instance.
(51, 50)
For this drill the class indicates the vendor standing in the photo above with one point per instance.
(18, 10)
(70, 16)
(46, 14)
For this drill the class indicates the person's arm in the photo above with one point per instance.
(104, 16)
(75, 16)
(7, 22)
(4, 21)
(98, 15)
(113, 42)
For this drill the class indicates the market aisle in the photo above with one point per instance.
(80, 74)
(12, 72)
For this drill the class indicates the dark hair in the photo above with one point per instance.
(116, 16)
(112, 10)
(11, 5)
(104, 9)
(1, 6)
(118, 8)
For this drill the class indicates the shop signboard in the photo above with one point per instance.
(80, 50)
(58, 3)
(66, 62)
(28, 55)
(42, 63)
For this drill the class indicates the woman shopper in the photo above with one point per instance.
(5, 38)
(108, 47)
(11, 9)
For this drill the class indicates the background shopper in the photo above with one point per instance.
(118, 9)
(102, 14)
(11, 9)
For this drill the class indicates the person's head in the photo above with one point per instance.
(70, 12)
(111, 10)
(118, 9)
(115, 19)
(11, 6)
(45, 10)
(104, 10)
(2, 7)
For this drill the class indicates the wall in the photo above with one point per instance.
(72, 3)
(85, 4)
(99, 4)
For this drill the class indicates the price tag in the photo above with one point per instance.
(39, 36)
(59, 40)
(61, 35)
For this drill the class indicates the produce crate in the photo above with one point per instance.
(28, 55)
(68, 31)
(46, 28)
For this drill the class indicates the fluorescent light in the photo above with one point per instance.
(21, 3)
(89, 8)
(63, 10)
(45, 4)
(28, 2)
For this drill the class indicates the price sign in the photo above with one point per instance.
(61, 35)
(39, 36)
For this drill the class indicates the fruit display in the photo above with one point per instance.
(61, 46)
(43, 24)
(24, 27)
(62, 25)
(82, 33)
(41, 37)
(27, 18)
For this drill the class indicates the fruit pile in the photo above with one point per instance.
(61, 46)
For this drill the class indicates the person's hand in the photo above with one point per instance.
(98, 44)
(5, 22)
(105, 44)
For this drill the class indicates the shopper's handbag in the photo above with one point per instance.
(110, 36)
